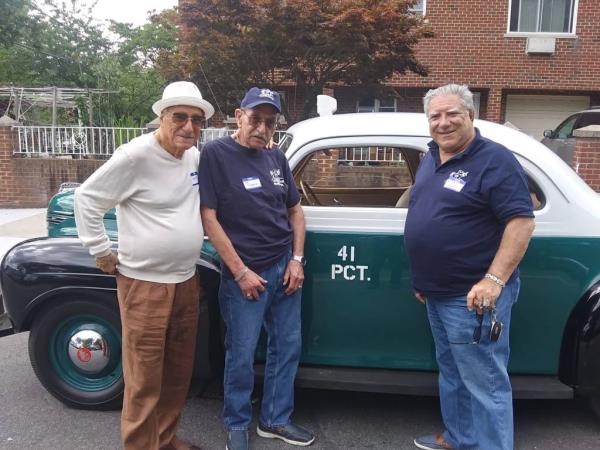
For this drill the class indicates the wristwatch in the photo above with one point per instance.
(300, 259)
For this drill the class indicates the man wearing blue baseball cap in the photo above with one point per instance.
(251, 212)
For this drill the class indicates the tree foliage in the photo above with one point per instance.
(54, 45)
(57, 43)
(230, 45)
(130, 69)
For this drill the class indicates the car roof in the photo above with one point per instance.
(415, 125)
(403, 124)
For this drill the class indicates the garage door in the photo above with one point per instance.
(533, 114)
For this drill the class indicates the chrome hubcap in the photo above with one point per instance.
(89, 351)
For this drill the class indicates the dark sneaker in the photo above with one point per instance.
(237, 440)
(292, 434)
(432, 442)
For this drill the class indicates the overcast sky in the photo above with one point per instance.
(131, 11)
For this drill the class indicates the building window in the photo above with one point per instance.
(542, 16)
(418, 7)
(376, 105)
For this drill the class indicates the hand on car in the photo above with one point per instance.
(108, 263)
(293, 276)
(252, 284)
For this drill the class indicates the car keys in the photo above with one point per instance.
(495, 328)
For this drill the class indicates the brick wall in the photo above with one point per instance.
(31, 182)
(586, 156)
(470, 47)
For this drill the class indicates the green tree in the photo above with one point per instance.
(312, 43)
(58, 44)
(54, 45)
(13, 20)
(129, 70)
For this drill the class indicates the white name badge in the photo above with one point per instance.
(454, 184)
(194, 176)
(251, 183)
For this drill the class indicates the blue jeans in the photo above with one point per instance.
(475, 391)
(280, 315)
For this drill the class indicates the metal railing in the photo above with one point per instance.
(72, 141)
(90, 142)
(368, 155)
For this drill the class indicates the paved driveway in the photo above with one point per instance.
(19, 224)
(31, 419)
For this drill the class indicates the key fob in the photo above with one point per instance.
(495, 328)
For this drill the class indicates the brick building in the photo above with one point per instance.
(530, 62)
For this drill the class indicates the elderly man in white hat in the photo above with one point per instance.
(153, 182)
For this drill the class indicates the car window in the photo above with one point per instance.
(588, 119)
(357, 176)
(537, 195)
(565, 129)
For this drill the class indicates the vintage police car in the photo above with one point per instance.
(362, 327)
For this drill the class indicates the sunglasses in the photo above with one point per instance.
(255, 120)
(182, 118)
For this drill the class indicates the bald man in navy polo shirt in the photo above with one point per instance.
(470, 219)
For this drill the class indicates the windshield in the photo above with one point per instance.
(284, 142)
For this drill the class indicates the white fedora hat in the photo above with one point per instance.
(183, 93)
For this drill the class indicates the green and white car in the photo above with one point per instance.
(362, 327)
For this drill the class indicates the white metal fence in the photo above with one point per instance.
(72, 141)
(90, 142)
(368, 155)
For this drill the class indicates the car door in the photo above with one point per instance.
(358, 303)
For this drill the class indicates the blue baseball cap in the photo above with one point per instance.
(257, 96)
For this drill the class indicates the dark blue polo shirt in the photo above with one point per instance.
(251, 190)
(457, 213)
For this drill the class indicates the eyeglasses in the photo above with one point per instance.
(182, 118)
(255, 120)
(450, 115)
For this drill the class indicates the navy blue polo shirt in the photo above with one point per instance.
(251, 190)
(457, 213)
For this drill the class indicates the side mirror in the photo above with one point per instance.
(548, 133)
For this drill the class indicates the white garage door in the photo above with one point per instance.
(533, 114)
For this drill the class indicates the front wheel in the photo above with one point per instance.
(75, 351)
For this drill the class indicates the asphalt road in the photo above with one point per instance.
(30, 418)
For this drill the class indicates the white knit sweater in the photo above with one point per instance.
(158, 211)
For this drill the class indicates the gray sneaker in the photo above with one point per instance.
(432, 442)
(237, 440)
(292, 434)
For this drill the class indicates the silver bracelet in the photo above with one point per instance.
(240, 275)
(495, 279)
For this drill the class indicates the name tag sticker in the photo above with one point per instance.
(454, 184)
(251, 183)
(194, 176)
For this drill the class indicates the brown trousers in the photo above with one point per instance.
(159, 323)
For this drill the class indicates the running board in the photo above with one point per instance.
(409, 382)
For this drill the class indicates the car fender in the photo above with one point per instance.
(579, 362)
(44, 300)
(39, 270)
